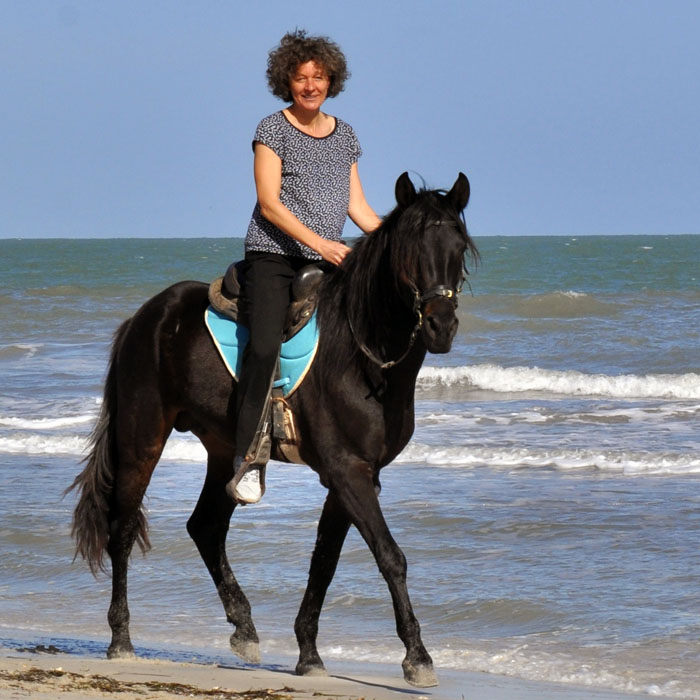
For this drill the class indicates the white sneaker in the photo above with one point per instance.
(249, 488)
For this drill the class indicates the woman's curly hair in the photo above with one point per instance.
(296, 48)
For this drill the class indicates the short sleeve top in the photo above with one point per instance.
(315, 183)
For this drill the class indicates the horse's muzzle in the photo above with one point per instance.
(439, 325)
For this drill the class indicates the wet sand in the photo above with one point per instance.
(70, 677)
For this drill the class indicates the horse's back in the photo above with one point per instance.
(178, 304)
(180, 297)
(157, 338)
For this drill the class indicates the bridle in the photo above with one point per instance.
(418, 302)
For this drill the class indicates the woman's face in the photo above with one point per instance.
(309, 86)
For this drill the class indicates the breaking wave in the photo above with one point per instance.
(177, 449)
(568, 304)
(626, 462)
(45, 423)
(562, 382)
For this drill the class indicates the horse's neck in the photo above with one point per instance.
(379, 328)
(398, 382)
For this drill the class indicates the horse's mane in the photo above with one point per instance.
(367, 288)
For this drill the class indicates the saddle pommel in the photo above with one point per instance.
(306, 282)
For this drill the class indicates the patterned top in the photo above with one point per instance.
(315, 183)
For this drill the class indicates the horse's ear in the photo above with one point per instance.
(405, 191)
(459, 194)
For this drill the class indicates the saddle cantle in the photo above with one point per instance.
(225, 296)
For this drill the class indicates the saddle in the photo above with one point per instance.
(225, 296)
(277, 420)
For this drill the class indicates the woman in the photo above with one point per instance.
(307, 183)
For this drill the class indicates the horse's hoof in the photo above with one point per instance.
(246, 650)
(120, 652)
(419, 676)
(310, 670)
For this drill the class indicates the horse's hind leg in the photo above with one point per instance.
(332, 529)
(208, 527)
(127, 523)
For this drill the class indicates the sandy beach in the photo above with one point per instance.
(69, 677)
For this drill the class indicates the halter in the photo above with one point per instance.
(419, 300)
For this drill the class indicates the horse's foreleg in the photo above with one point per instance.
(208, 527)
(332, 529)
(355, 491)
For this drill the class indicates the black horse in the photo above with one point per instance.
(393, 298)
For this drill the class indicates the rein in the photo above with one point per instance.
(417, 303)
(419, 300)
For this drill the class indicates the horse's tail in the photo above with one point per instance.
(90, 526)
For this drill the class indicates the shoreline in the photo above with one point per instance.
(62, 676)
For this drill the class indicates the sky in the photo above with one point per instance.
(134, 118)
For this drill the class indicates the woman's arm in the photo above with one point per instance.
(363, 216)
(268, 184)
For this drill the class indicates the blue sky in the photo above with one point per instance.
(134, 118)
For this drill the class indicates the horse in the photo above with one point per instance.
(392, 300)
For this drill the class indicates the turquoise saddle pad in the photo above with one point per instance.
(230, 338)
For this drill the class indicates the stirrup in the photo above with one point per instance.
(248, 482)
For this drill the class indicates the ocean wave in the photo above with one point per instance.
(43, 445)
(58, 290)
(17, 350)
(177, 449)
(44, 423)
(627, 462)
(567, 382)
(560, 304)
(624, 462)
(591, 668)
(588, 668)
(647, 415)
(184, 450)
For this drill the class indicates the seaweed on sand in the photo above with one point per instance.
(66, 680)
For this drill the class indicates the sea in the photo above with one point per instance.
(548, 503)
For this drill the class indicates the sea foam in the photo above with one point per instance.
(625, 462)
(19, 350)
(630, 463)
(569, 383)
(43, 445)
(44, 423)
(177, 449)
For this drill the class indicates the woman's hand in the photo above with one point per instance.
(332, 251)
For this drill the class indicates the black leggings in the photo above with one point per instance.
(267, 293)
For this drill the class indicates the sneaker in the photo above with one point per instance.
(249, 489)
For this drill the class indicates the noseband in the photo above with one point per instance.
(439, 290)
(419, 301)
